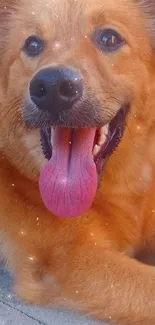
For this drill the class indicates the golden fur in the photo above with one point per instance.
(87, 263)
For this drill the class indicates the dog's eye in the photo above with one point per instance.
(108, 40)
(33, 46)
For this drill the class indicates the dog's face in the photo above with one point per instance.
(74, 73)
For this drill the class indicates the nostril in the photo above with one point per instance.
(38, 90)
(69, 89)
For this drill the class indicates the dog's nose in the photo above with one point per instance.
(56, 89)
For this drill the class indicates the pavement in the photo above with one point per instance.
(13, 312)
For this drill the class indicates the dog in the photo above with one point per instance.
(77, 162)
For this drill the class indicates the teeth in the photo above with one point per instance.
(102, 139)
(96, 150)
(104, 129)
(52, 134)
(103, 132)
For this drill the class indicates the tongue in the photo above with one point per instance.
(68, 182)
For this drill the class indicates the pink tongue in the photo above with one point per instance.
(68, 182)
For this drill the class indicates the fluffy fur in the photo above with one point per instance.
(88, 263)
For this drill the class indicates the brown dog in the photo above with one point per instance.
(79, 75)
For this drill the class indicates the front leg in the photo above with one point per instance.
(111, 287)
(100, 283)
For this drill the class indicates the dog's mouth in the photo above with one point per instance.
(76, 157)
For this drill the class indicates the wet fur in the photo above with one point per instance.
(88, 263)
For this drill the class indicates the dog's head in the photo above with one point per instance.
(76, 76)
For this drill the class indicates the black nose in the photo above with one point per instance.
(56, 89)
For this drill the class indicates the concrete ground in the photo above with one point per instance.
(12, 312)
